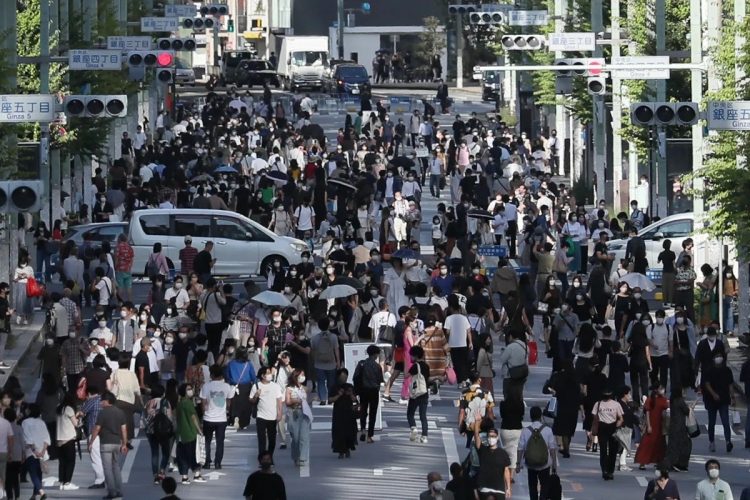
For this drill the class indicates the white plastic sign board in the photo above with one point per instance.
(159, 24)
(129, 43)
(108, 60)
(353, 354)
(18, 108)
(527, 18)
(645, 70)
(729, 115)
(179, 10)
(571, 42)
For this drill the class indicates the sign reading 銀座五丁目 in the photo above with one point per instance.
(20, 108)
(728, 115)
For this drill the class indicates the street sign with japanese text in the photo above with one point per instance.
(651, 67)
(94, 59)
(159, 24)
(17, 108)
(129, 43)
(571, 42)
(527, 18)
(729, 115)
(180, 10)
(493, 251)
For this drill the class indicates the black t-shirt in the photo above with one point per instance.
(600, 247)
(492, 464)
(721, 380)
(467, 185)
(667, 257)
(298, 359)
(264, 486)
(141, 361)
(423, 367)
(202, 262)
(638, 344)
(126, 145)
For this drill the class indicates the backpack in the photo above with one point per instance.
(152, 269)
(418, 385)
(160, 425)
(423, 310)
(324, 349)
(358, 377)
(537, 452)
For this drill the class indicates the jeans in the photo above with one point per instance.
(326, 379)
(208, 431)
(607, 448)
(111, 461)
(157, 445)
(660, 371)
(34, 468)
(42, 259)
(421, 403)
(435, 185)
(728, 315)
(299, 426)
(186, 458)
(724, 415)
(369, 400)
(266, 430)
(565, 349)
(538, 483)
(66, 461)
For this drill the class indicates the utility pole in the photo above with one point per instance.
(658, 186)
(561, 118)
(740, 8)
(44, 66)
(460, 52)
(600, 113)
(340, 27)
(9, 238)
(616, 113)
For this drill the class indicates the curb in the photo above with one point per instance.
(21, 350)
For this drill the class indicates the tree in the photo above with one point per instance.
(432, 40)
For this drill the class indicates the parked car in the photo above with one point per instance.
(349, 79)
(99, 232)
(256, 72)
(241, 246)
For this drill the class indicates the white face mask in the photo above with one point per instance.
(50, 341)
(680, 320)
(123, 314)
(177, 286)
(659, 321)
(301, 379)
(638, 315)
(437, 486)
(713, 473)
(102, 324)
(144, 317)
(657, 474)
(169, 340)
(645, 322)
(182, 335)
(576, 284)
(492, 441)
(637, 295)
(267, 377)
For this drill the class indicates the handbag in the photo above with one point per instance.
(33, 288)
(520, 372)
(595, 421)
(665, 417)
(693, 429)
(82, 389)
(450, 375)
(235, 387)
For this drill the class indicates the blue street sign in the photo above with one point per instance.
(493, 251)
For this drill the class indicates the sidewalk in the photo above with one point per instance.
(20, 341)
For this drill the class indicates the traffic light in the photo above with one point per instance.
(214, 9)
(230, 25)
(577, 67)
(664, 113)
(486, 18)
(523, 42)
(21, 196)
(95, 106)
(175, 44)
(461, 9)
(162, 60)
(596, 85)
(198, 23)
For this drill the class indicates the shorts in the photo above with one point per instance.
(399, 366)
(124, 279)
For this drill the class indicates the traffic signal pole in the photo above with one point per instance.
(658, 185)
(9, 237)
(616, 114)
(599, 114)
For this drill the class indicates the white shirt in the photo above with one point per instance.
(706, 490)
(182, 298)
(104, 286)
(457, 325)
(5, 431)
(146, 173)
(104, 335)
(35, 435)
(270, 393)
(409, 188)
(304, 215)
(216, 393)
(381, 318)
(139, 140)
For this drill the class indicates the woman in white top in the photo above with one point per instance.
(298, 417)
(124, 385)
(67, 422)
(21, 302)
(37, 440)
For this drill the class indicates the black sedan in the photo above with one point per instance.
(348, 79)
(256, 72)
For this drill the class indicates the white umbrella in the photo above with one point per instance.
(269, 298)
(338, 292)
(258, 164)
(638, 280)
(237, 104)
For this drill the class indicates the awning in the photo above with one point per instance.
(252, 35)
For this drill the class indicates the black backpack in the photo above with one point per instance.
(358, 377)
(160, 425)
(423, 310)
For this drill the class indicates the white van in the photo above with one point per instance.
(241, 246)
(676, 228)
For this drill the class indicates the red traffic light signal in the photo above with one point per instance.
(165, 59)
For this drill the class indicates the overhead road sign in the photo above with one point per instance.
(652, 67)
(159, 24)
(179, 10)
(571, 42)
(729, 115)
(527, 18)
(18, 108)
(94, 59)
(129, 43)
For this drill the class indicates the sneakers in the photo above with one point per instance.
(403, 402)
(3, 364)
(68, 487)
(237, 423)
(185, 480)
(199, 479)
(413, 434)
(423, 439)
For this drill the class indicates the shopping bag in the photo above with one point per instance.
(200, 450)
(33, 288)
(450, 375)
(533, 352)
(736, 417)
(693, 429)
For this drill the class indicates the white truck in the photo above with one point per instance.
(303, 62)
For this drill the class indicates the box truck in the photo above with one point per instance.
(303, 62)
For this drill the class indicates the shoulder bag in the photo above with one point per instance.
(519, 372)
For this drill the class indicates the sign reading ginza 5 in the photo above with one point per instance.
(18, 108)
(728, 115)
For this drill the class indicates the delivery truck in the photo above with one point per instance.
(303, 62)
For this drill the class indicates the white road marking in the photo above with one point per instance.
(130, 459)
(642, 481)
(377, 472)
(449, 443)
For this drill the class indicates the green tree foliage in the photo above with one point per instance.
(641, 29)
(726, 188)
(432, 40)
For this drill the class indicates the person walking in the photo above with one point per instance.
(299, 417)
(513, 363)
(368, 375)
(667, 257)
(718, 383)
(268, 397)
(436, 488)
(123, 267)
(653, 445)
(460, 341)
(216, 398)
(661, 487)
(158, 433)
(565, 387)
(67, 422)
(680, 444)
(90, 412)
(494, 476)
(608, 416)
(325, 353)
(265, 484)
(538, 450)
(113, 438)
(713, 488)
(418, 395)
(188, 429)
(37, 440)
